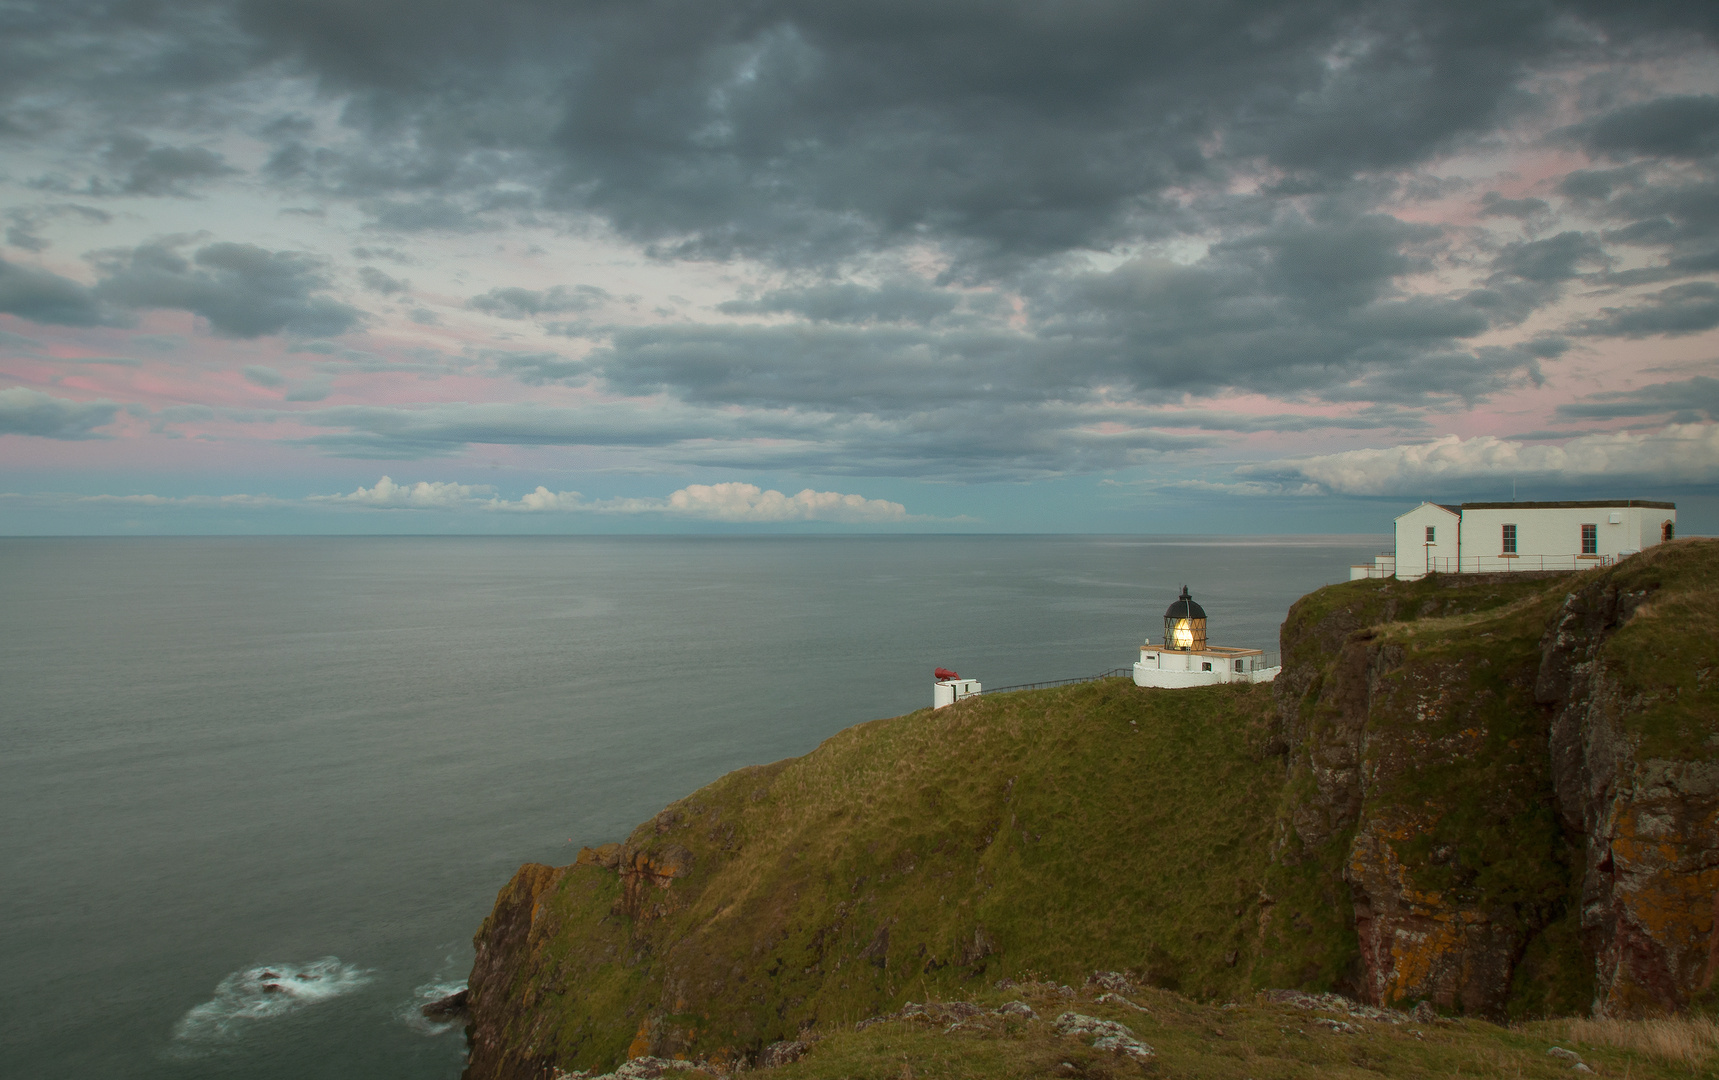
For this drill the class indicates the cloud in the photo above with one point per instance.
(145, 169)
(245, 291)
(423, 495)
(797, 131)
(45, 297)
(378, 282)
(1678, 127)
(24, 232)
(740, 502)
(850, 302)
(1692, 399)
(264, 376)
(538, 369)
(237, 502)
(527, 303)
(1492, 204)
(30, 412)
(731, 502)
(1681, 309)
(1676, 454)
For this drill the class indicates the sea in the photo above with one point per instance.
(258, 793)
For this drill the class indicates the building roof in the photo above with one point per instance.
(1454, 511)
(1595, 504)
(1185, 608)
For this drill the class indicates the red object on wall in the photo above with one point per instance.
(943, 673)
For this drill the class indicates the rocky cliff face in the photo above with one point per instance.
(1496, 795)
(1521, 781)
(1646, 807)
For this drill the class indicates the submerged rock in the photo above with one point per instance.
(447, 1008)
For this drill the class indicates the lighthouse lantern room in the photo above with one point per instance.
(1185, 658)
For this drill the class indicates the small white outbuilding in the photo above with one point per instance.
(950, 688)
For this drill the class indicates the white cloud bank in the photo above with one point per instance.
(747, 502)
(1676, 454)
(730, 502)
(727, 502)
(424, 495)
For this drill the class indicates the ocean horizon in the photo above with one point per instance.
(261, 791)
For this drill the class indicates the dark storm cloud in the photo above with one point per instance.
(519, 303)
(144, 169)
(997, 143)
(45, 297)
(1681, 309)
(1687, 400)
(798, 130)
(1492, 204)
(1675, 127)
(1531, 274)
(30, 412)
(243, 290)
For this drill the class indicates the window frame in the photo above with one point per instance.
(1590, 538)
(1507, 539)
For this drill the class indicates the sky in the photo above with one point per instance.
(544, 266)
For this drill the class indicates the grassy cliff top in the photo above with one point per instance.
(1044, 835)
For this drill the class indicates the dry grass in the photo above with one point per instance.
(1690, 1040)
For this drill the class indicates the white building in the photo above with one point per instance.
(1186, 659)
(1496, 537)
(950, 688)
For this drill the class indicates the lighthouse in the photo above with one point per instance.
(1186, 658)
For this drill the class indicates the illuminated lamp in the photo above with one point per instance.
(1185, 624)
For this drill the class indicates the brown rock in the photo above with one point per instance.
(608, 856)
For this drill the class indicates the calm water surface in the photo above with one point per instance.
(312, 762)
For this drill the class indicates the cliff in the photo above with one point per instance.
(1518, 779)
(1494, 795)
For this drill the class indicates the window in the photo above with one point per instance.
(1238, 665)
(1206, 666)
(1509, 539)
(1432, 533)
(1590, 539)
(1667, 531)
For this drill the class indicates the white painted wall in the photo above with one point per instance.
(1555, 533)
(1413, 552)
(952, 690)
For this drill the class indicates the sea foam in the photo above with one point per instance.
(412, 1014)
(266, 993)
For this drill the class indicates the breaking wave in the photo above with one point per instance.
(413, 1013)
(266, 993)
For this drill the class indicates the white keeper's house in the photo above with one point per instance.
(1498, 537)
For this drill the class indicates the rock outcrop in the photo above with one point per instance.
(1521, 827)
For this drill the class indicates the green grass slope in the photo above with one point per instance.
(1038, 834)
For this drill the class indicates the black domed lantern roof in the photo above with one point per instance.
(1185, 624)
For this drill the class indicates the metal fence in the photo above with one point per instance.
(1113, 673)
(1500, 564)
(1260, 663)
